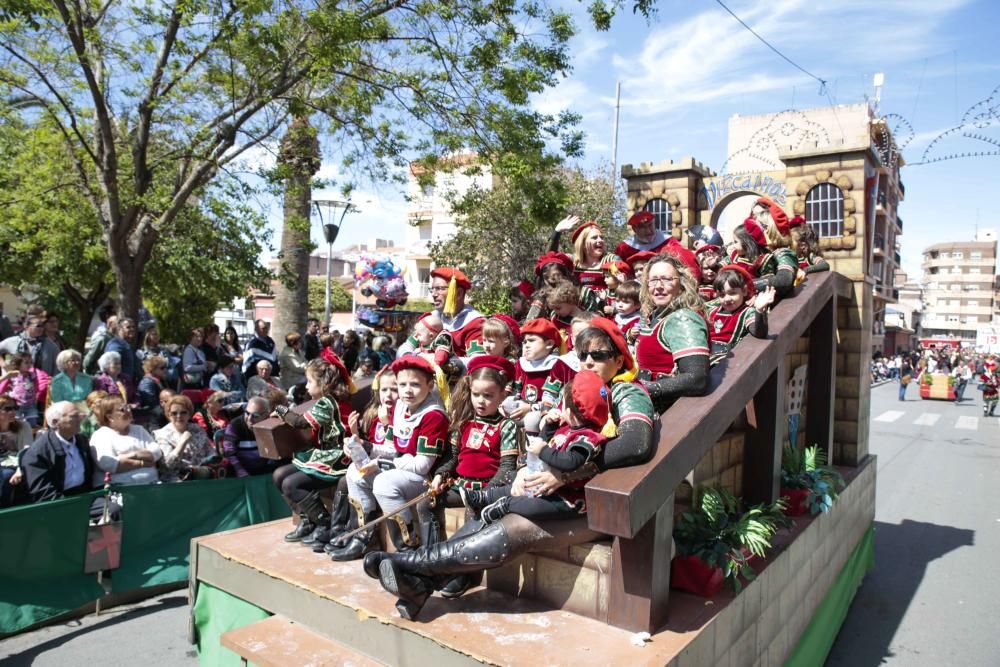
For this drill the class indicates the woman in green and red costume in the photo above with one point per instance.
(456, 564)
(672, 347)
(779, 265)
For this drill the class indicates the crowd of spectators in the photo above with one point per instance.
(133, 409)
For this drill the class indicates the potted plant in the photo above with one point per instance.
(807, 482)
(717, 540)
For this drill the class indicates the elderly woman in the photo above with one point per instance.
(262, 382)
(122, 448)
(112, 380)
(193, 362)
(150, 386)
(15, 437)
(225, 380)
(185, 444)
(292, 362)
(211, 417)
(672, 347)
(457, 564)
(71, 384)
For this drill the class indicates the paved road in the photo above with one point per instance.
(933, 598)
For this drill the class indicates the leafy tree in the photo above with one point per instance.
(500, 232)
(153, 100)
(340, 298)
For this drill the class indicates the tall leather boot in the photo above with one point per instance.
(340, 516)
(361, 543)
(305, 528)
(355, 520)
(316, 510)
(413, 575)
(403, 534)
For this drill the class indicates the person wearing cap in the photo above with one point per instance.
(552, 269)
(645, 236)
(474, 547)
(780, 266)
(710, 261)
(502, 337)
(322, 466)
(539, 375)
(520, 299)
(425, 330)
(638, 262)
(990, 382)
(740, 310)
(574, 444)
(485, 445)
(462, 324)
(672, 347)
(588, 256)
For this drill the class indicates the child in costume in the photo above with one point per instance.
(710, 261)
(615, 273)
(638, 262)
(322, 466)
(580, 322)
(418, 435)
(806, 246)
(733, 318)
(990, 382)
(563, 301)
(779, 265)
(425, 330)
(539, 376)
(520, 299)
(628, 314)
(502, 337)
(574, 444)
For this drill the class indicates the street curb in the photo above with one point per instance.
(881, 382)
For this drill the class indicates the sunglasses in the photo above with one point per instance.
(597, 355)
(256, 415)
(182, 413)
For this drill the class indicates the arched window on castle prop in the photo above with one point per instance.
(660, 209)
(825, 210)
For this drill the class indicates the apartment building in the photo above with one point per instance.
(959, 282)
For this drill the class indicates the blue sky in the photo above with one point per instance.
(686, 72)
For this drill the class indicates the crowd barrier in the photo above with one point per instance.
(42, 547)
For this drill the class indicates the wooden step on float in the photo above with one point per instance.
(278, 642)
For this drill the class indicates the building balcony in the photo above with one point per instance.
(899, 260)
(899, 223)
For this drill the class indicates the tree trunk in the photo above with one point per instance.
(86, 306)
(298, 161)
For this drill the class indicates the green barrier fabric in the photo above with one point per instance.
(817, 640)
(215, 613)
(42, 548)
(160, 520)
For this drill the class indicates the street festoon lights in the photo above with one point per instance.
(331, 227)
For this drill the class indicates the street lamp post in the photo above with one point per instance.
(331, 227)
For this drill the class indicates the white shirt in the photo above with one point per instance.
(73, 476)
(108, 444)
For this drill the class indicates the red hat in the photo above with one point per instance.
(614, 332)
(756, 233)
(525, 288)
(542, 327)
(431, 328)
(590, 396)
(579, 230)
(747, 277)
(689, 259)
(552, 257)
(412, 362)
(619, 266)
(505, 366)
(797, 221)
(640, 217)
(515, 328)
(708, 247)
(345, 374)
(777, 214)
(643, 256)
(448, 272)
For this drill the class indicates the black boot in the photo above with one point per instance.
(482, 550)
(474, 501)
(316, 511)
(412, 590)
(360, 544)
(354, 521)
(403, 534)
(458, 585)
(305, 527)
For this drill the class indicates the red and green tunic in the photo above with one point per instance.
(423, 432)
(587, 441)
(593, 289)
(730, 328)
(664, 340)
(530, 377)
(782, 259)
(462, 335)
(482, 442)
(327, 461)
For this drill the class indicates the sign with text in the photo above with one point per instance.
(764, 185)
(988, 338)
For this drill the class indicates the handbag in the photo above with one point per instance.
(905, 380)
(193, 378)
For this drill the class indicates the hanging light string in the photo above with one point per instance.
(822, 82)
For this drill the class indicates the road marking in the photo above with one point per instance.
(927, 419)
(889, 416)
(968, 423)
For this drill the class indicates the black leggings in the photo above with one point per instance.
(533, 507)
(295, 485)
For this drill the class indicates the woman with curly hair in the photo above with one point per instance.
(672, 346)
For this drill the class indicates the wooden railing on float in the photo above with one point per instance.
(635, 505)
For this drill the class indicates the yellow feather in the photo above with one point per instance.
(450, 307)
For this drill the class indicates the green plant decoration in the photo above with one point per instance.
(723, 535)
(807, 469)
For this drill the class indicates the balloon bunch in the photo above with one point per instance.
(376, 275)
